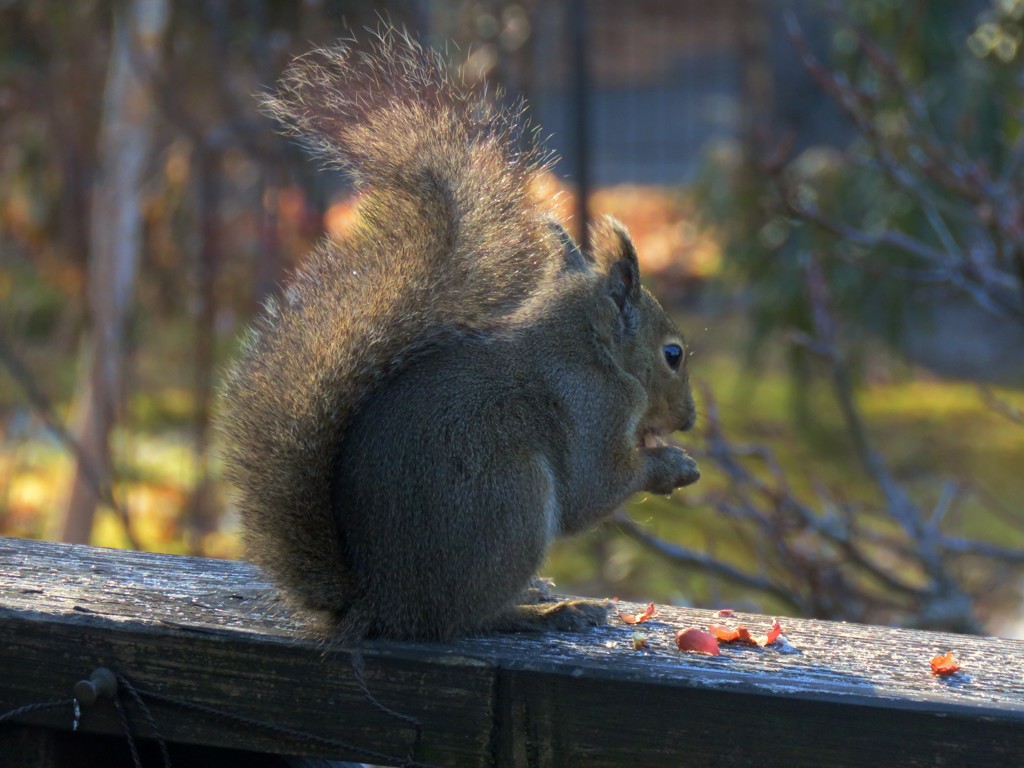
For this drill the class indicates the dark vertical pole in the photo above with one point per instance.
(581, 81)
(208, 158)
(201, 515)
(269, 267)
(750, 26)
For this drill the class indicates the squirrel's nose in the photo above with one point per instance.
(689, 421)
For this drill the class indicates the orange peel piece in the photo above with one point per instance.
(742, 634)
(639, 618)
(697, 641)
(945, 664)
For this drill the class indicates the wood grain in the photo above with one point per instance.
(211, 633)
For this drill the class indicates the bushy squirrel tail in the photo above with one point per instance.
(449, 240)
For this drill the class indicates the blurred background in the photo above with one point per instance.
(829, 197)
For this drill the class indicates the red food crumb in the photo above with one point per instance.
(698, 641)
(945, 664)
(638, 618)
(725, 613)
(742, 634)
(727, 635)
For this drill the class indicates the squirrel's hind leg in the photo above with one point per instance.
(562, 616)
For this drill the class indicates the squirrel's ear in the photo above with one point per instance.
(615, 257)
(572, 255)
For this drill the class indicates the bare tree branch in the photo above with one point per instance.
(688, 558)
(1004, 408)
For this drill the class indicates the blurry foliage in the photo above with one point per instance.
(924, 102)
(264, 210)
(999, 32)
(914, 206)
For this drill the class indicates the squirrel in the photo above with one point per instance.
(451, 385)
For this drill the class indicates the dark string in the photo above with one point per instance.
(126, 728)
(358, 666)
(281, 730)
(124, 683)
(12, 713)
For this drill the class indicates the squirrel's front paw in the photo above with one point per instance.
(668, 468)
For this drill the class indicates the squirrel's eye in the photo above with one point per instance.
(673, 355)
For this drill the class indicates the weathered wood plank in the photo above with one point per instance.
(206, 631)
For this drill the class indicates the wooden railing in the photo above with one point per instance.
(204, 660)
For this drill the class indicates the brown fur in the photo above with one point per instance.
(444, 390)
